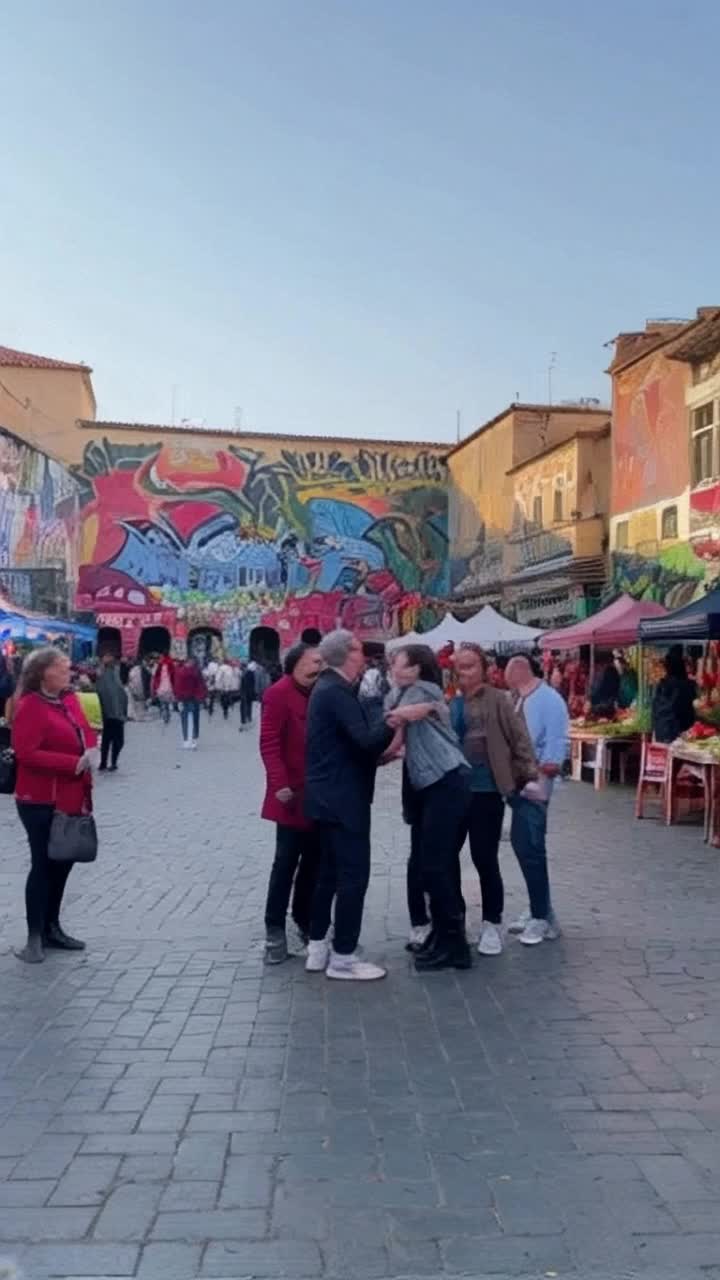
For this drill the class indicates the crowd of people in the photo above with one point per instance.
(327, 724)
(327, 728)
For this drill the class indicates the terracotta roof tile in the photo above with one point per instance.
(156, 428)
(9, 358)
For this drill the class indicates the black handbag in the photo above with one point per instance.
(8, 771)
(73, 838)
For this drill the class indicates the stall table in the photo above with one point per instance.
(590, 750)
(707, 771)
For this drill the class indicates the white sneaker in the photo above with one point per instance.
(521, 924)
(318, 954)
(353, 970)
(538, 931)
(490, 942)
(418, 935)
(187, 745)
(193, 745)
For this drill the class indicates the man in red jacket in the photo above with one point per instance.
(282, 747)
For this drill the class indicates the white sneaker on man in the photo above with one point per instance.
(193, 744)
(318, 954)
(490, 942)
(187, 745)
(538, 931)
(352, 969)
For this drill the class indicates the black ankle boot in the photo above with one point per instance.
(451, 952)
(58, 940)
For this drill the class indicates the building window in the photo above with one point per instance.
(669, 523)
(537, 511)
(558, 504)
(705, 460)
(621, 535)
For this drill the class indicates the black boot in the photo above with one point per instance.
(450, 952)
(32, 952)
(58, 940)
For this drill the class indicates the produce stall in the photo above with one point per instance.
(597, 744)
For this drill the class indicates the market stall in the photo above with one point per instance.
(493, 632)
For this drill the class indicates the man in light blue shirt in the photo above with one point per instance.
(548, 724)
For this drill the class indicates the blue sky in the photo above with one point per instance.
(352, 216)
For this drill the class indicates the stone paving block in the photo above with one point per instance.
(152, 1168)
(248, 1183)
(45, 1224)
(17, 1194)
(507, 1256)
(86, 1181)
(39, 1261)
(201, 1156)
(170, 1262)
(178, 1196)
(210, 1224)
(274, 1259)
(674, 1178)
(128, 1212)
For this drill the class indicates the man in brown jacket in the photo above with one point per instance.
(497, 746)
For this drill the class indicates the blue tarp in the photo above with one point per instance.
(697, 621)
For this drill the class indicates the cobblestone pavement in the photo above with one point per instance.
(169, 1110)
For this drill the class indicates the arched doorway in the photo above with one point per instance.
(201, 641)
(109, 640)
(265, 645)
(153, 640)
(311, 635)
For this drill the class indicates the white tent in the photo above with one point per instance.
(445, 631)
(411, 637)
(491, 630)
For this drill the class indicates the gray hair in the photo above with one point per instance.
(335, 647)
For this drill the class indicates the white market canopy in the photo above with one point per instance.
(487, 628)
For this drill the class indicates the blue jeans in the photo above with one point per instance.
(188, 710)
(528, 830)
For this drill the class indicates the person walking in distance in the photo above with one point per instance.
(247, 695)
(546, 717)
(114, 704)
(224, 685)
(282, 748)
(210, 672)
(190, 693)
(344, 745)
(55, 752)
(163, 686)
(497, 747)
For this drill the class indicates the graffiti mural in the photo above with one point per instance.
(226, 537)
(649, 436)
(674, 577)
(39, 522)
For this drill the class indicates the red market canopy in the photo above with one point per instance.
(617, 624)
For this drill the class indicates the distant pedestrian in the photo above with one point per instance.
(282, 747)
(55, 752)
(247, 696)
(190, 692)
(7, 684)
(546, 717)
(136, 690)
(344, 746)
(224, 686)
(114, 704)
(209, 675)
(87, 697)
(163, 687)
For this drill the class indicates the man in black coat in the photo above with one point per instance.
(344, 743)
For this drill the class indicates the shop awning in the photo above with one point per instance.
(697, 621)
(617, 624)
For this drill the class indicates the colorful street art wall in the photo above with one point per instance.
(39, 522)
(674, 577)
(649, 436)
(191, 535)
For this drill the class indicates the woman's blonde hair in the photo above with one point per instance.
(35, 666)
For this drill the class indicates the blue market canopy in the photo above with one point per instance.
(697, 621)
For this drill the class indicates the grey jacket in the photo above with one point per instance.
(431, 746)
(113, 698)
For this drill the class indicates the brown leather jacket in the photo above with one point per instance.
(509, 749)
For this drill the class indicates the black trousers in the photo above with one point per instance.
(226, 703)
(294, 871)
(210, 704)
(344, 876)
(46, 880)
(442, 820)
(245, 708)
(417, 905)
(484, 827)
(113, 741)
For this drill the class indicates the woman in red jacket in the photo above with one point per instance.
(55, 749)
(190, 693)
(282, 747)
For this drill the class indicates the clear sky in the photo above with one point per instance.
(352, 216)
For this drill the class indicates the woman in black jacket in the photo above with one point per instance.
(672, 704)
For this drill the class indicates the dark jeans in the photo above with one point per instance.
(225, 703)
(113, 741)
(190, 710)
(417, 905)
(344, 876)
(245, 709)
(165, 710)
(211, 701)
(485, 820)
(442, 818)
(297, 859)
(528, 831)
(46, 880)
